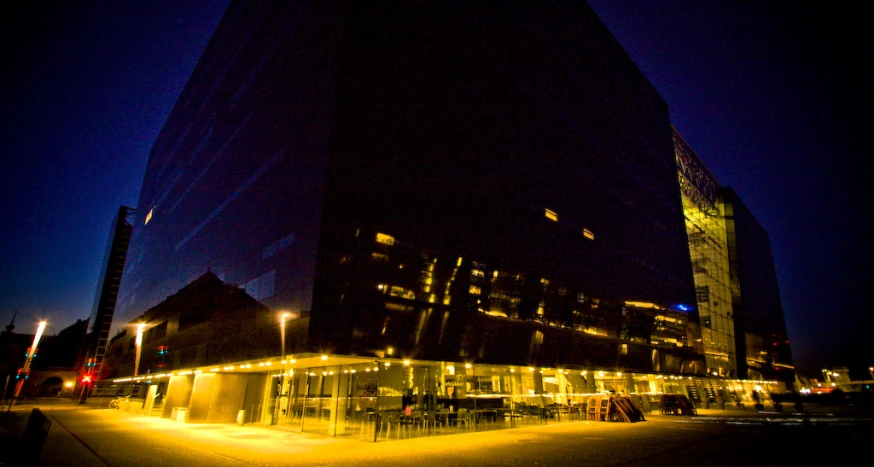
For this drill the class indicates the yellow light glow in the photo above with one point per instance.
(139, 339)
(68, 384)
(149, 216)
(467, 365)
(588, 234)
(324, 357)
(551, 215)
(406, 363)
(385, 239)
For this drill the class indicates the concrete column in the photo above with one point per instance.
(340, 400)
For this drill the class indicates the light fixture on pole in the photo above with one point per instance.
(282, 320)
(139, 344)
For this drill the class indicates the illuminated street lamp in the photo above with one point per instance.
(282, 320)
(25, 370)
(283, 382)
(139, 343)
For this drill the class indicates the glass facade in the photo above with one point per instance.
(388, 399)
(756, 300)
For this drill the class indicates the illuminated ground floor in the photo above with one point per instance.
(379, 399)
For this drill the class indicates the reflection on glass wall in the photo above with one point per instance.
(207, 322)
(395, 300)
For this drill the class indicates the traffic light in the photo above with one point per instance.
(86, 379)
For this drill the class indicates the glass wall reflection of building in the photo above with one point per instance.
(354, 211)
(741, 315)
(708, 248)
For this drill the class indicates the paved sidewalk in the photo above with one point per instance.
(87, 436)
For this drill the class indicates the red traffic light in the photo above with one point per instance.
(86, 378)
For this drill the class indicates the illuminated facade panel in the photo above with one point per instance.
(708, 249)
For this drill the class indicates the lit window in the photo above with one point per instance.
(588, 234)
(385, 239)
(474, 290)
(551, 215)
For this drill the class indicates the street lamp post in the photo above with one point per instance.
(25, 370)
(282, 321)
(284, 393)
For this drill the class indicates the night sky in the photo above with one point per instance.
(770, 95)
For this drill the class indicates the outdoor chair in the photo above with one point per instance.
(463, 418)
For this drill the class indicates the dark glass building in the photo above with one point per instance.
(758, 310)
(408, 205)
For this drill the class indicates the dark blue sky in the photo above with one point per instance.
(770, 94)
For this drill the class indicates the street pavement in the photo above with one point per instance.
(90, 436)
